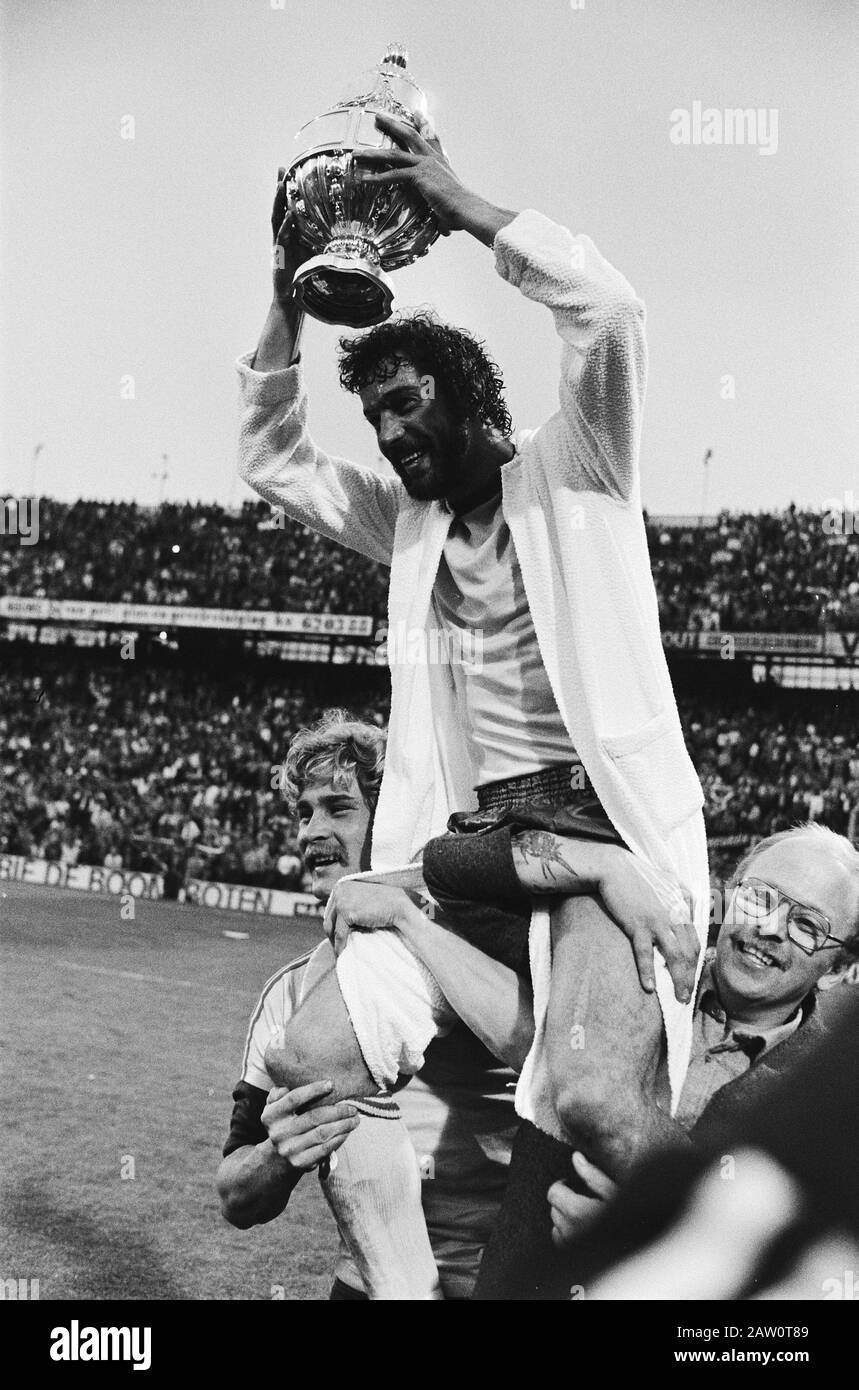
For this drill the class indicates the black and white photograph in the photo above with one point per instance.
(429, 667)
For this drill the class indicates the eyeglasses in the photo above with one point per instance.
(807, 928)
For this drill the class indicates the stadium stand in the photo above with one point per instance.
(152, 766)
(249, 558)
(170, 766)
(164, 763)
(774, 572)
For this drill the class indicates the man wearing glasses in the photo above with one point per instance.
(791, 920)
(792, 916)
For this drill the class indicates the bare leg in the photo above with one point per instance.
(374, 1189)
(319, 1042)
(605, 1053)
(605, 1043)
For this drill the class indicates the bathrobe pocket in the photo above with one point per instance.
(655, 770)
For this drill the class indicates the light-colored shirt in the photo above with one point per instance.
(459, 1114)
(506, 701)
(721, 1051)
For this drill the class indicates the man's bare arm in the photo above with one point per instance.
(420, 162)
(492, 1000)
(547, 863)
(255, 1182)
(254, 1185)
(277, 456)
(278, 344)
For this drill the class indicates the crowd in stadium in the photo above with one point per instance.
(167, 769)
(201, 556)
(775, 571)
(150, 768)
(778, 571)
(763, 771)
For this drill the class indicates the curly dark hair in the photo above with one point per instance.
(469, 379)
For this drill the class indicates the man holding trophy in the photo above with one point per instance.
(576, 842)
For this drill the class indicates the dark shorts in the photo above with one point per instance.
(470, 872)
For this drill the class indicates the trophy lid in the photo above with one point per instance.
(396, 55)
(388, 86)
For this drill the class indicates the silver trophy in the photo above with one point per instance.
(357, 231)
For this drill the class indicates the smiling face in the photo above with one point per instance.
(333, 831)
(761, 975)
(416, 431)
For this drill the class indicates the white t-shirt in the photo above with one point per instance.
(460, 1117)
(504, 694)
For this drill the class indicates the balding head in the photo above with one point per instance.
(762, 974)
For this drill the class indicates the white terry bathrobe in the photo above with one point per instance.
(571, 498)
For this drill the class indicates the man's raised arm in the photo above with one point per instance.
(600, 322)
(597, 314)
(351, 505)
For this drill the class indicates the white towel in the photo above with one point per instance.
(394, 1003)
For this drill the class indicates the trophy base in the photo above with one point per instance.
(344, 289)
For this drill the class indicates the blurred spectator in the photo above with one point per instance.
(70, 849)
(290, 867)
(113, 859)
(257, 861)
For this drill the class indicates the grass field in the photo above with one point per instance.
(125, 1038)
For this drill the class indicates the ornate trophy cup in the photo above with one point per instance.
(358, 231)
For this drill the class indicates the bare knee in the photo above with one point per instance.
(600, 1112)
(604, 1036)
(319, 1044)
(292, 1059)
